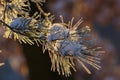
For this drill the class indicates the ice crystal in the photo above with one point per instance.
(65, 42)
(58, 32)
(20, 23)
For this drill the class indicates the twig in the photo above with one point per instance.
(41, 10)
(15, 30)
(4, 10)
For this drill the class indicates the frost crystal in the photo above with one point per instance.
(67, 47)
(20, 23)
(58, 32)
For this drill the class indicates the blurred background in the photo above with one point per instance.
(25, 62)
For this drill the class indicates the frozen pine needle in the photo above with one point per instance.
(65, 42)
(1, 59)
